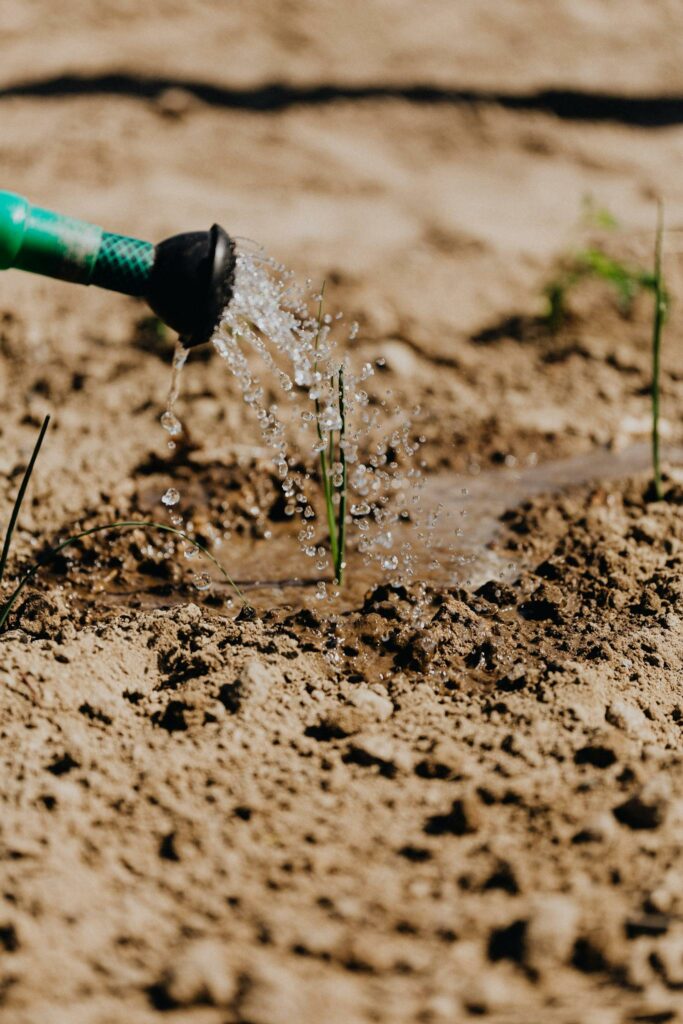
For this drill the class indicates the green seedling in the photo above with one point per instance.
(593, 216)
(334, 485)
(7, 605)
(626, 281)
(343, 487)
(593, 262)
(661, 308)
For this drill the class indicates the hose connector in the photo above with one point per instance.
(186, 279)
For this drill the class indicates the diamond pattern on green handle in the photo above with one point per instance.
(123, 264)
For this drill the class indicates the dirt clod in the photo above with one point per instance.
(646, 809)
(463, 817)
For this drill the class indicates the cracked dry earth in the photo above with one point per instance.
(441, 806)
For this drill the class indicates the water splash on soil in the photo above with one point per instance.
(441, 530)
(283, 356)
(487, 496)
(276, 573)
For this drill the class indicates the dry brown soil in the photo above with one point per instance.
(431, 809)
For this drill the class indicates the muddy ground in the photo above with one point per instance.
(437, 806)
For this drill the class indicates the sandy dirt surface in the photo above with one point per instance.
(433, 806)
(622, 46)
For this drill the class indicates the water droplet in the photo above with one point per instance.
(171, 423)
(330, 419)
(202, 581)
(170, 497)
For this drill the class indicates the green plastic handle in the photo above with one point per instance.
(48, 243)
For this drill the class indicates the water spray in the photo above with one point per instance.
(187, 279)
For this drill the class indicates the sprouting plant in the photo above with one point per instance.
(627, 281)
(7, 604)
(659, 316)
(594, 216)
(343, 485)
(360, 442)
(333, 468)
(593, 262)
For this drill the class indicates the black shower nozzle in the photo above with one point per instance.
(191, 281)
(187, 279)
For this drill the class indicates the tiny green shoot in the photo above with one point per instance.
(594, 263)
(594, 216)
(336, 524)
(343, 490)
(628, 282)
(658, 320)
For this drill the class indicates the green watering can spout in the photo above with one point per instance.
(186, 279)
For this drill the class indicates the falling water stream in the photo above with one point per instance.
(309, 403)
(276, 339)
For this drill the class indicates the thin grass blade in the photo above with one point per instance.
(325, 469)
(658, 319)
(341, 525)
(20, 497)
(124, 525)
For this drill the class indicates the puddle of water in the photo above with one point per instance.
(275, 572)
(475, 505)
(494, 492)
